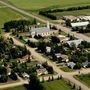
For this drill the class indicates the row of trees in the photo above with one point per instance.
(18, 25)
(48, 14)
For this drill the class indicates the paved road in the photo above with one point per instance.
(65, 29)
(40, 58)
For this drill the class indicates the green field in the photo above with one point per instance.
(7, 14)
(53, 85)
(16, 88)
(39, 4)
(57, 85)
(84, 78)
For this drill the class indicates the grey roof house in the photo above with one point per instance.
(71, 64)
(43, 31)
(76, 42)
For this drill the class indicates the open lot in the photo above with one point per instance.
(84, 78)
(39, 4)
(53, 85)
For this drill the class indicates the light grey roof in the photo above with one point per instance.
(85, 63)
(71, 64)
(79, 24)
(58, 55)
(76, 42)
(40, 30)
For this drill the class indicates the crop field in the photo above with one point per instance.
(39, 4)
(7, 14)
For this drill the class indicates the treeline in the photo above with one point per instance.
(18, 25)
(45, 13)
(48, 14)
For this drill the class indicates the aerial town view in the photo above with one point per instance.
(44, 44)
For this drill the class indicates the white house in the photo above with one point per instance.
(48, 49)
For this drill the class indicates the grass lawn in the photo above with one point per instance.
(66, 69)
(39, 4)
(84, 78)
(53, 85)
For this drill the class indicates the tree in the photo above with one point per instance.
(49, 79)
(50, 70)
(42, 46)
(34, 83)
(78, 65)
(55, 40)
(13, 76)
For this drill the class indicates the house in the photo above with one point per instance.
(57, 56)
(61, 57)
(84, 18)
(41, 71)
(48, 49)
(63, 38)
(25, 75)
(71, 65)
(69, 17)
(64, 58)
(85, 64)
(76, 42)
(43, 31)
(79, 24)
